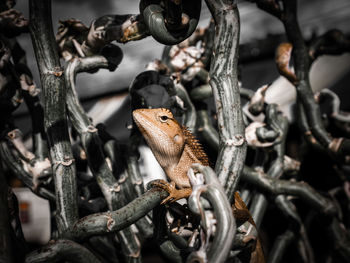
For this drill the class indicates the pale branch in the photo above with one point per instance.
(79, 118)
(224, 83)
(54, 91)
(101, 223)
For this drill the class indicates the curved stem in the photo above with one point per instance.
(102, 223)
(224, 82)
(93, 147)
(226, 226)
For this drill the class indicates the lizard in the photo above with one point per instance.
(176, 149)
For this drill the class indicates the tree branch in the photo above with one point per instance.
(224, 83)
(101, 223)
(63, 166)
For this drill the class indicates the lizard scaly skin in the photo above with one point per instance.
(176, 149)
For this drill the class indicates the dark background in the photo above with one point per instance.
(260, 34)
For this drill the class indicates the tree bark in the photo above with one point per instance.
(52, 81)
(224, 83)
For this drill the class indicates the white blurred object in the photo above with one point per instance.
(34, 214)
(149, 166)
(105, 108)
(324, 73)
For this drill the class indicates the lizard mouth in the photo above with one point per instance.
(141, 121)
(146, 125)
(136, 116)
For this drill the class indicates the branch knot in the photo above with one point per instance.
(237, 141)
(66, 162)
(57, 71)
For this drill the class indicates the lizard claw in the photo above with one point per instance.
(174, 194)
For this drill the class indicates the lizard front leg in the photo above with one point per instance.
(174, 194)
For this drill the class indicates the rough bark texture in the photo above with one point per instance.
(55, 115)
(119, 219)
(224, 82)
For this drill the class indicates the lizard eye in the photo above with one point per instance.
(163, 118)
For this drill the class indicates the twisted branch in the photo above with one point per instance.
(224, 82)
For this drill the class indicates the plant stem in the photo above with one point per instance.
(224, 83)
(55, 122)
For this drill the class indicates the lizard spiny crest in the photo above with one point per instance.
(195, 146)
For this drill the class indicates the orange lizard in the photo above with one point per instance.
(176, 149)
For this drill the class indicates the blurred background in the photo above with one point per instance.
(260, 35)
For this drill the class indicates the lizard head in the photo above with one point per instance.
(162, 133)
